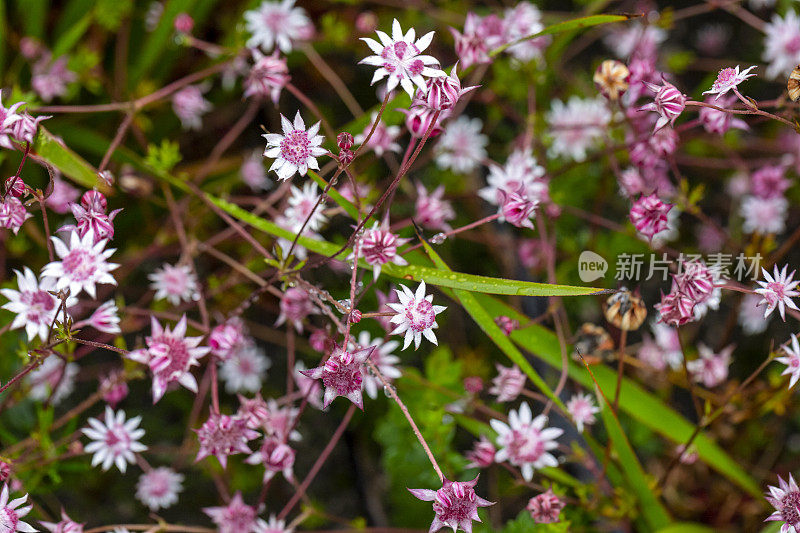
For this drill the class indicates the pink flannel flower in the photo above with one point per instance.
(649, 215)
(479, 37)
(400, 58)
(696, 281)
(190, 106)
(517, 208)
(276, 456)
(268, 76)
(278, 24)
(114, 388)
(791, 360)
(295, 306)
(455, 504)
(545, 508)
(384, 138)
(777, 291)
(342, 375)
(309, 387)
(82, 265)
(115, 441)
(525, 442)
(442, 92)
(383, 358)
(728, 79)
(715, 121)
(379, 246)
(296, 150)
(416, 315)
(431, 211)
(63, 195)
(65, 525)
(782, 44)
(35, 308)
(236, 517)
(11, 513)
(170, 356)
(669, 103)
(50, 80)
(581, 408)
(223, 435)
(462, 147)
(710, 369)
(91, 215)
(420, 120)
(24, 130)
(279, 421)
(175, 284)
(159, 488)
(786, 500)
(273, 526)
(227, 338)
(482, 454)
(675, 308)
(104, 318)
(769, 181)
(8, 117)
(508, 383)
(12, 213)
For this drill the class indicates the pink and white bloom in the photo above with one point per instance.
(11, 513)
(54, 380)
(710, 369)
(480, 36)
(669, 103)
(782, 44)
(482, 454)
(83, 264)
(462, 146)
(379, 246)
(342, 375)
(416, 315)
(442, 92)
(581, 408)
(189, 106)
(715, 121)
(295, 306)
(777, 291)
(455, 504)
(525, 441)
(279, 422)
(521, 174)
(431, 211)
(278, 24)
(676, 308)
(236, 517)
(65, 525)
(223, 435)
(508, 383)
(421, 121)
(751, 318)
(114, 388)
(649, 215)
(170, 356)
(296, 150)
(267, 77)
(400, 58)
(8, 117)
(728, 79)
(764, 215)
(301, 207)
(786, 500)
(253, 172)
(13, 213)
(545, 508)
(159, 488)
(273, 526)
(228, 337)
(35, 307)
(384, 138)
(91, 214)
(520, 21)
(383, 358)
(105, 318)
(791, 360)
(769, 181)
(309, 387)
(245, 370)
(576, 126)
(276, 456)
(175, 284)
(50, 79)
(115, 441)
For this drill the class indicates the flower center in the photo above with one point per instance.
(80, 265)
(420, 314)
(525, 447)
(8, 520)
(117, 439)
(726, 77)
(295, 147)
(789, 511)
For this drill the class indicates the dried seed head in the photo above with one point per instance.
(594, 344)
(612, 78)
(625, 310)
(794, 84)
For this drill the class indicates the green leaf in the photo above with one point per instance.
(569, 25)
(686, 527)
(33, 14)
(71, 37)
(51, 150)
(163, 158)
(642, 406)
(158, 40)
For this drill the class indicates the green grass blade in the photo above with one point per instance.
(71, 37)
(158, 40)
(73, 166)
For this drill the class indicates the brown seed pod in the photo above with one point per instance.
(625, 310)
(611, 78)
(794, 84)
(594, 344)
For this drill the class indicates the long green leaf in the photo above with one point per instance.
(686, 527)
(568, 25)
(48, 148)
(157, 41)
(72, 35)
(642, 406)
